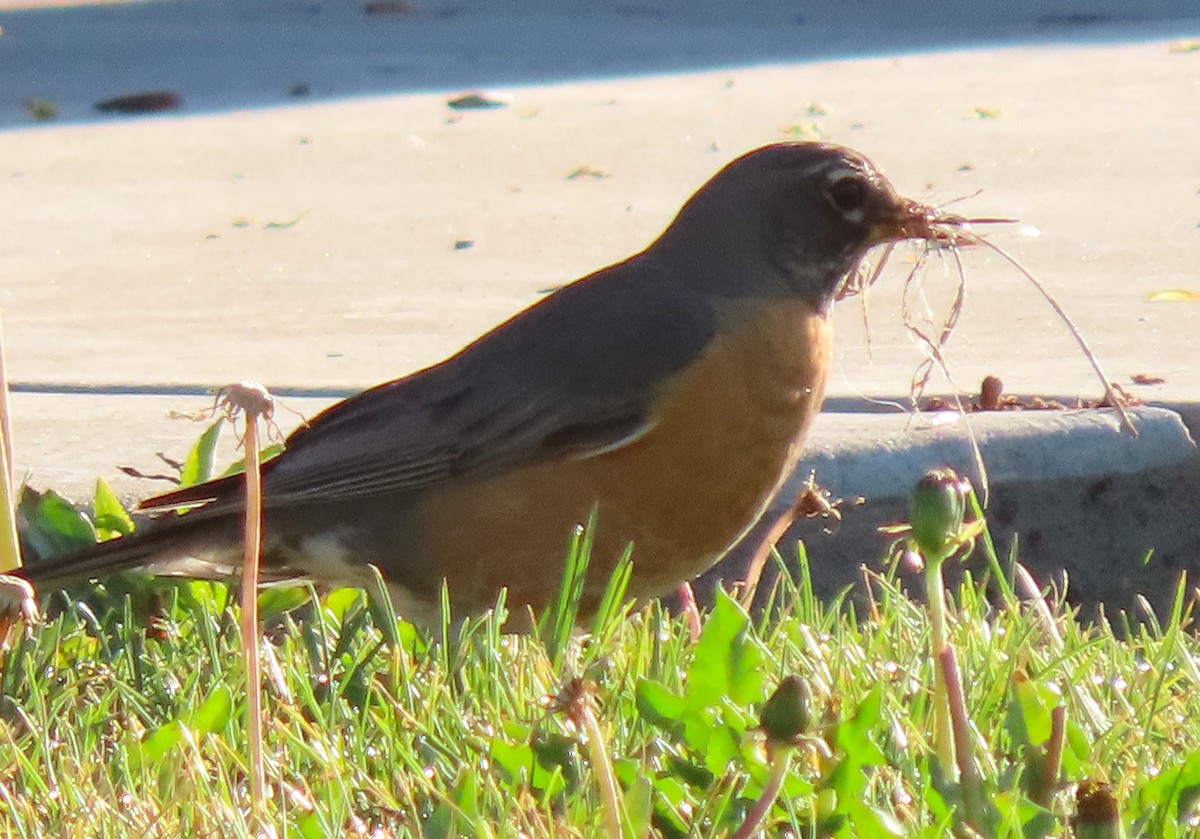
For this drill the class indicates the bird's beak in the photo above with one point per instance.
(905, 219)
(908, 219)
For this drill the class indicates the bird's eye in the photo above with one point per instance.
(847, 192)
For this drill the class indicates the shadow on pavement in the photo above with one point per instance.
(233, 54)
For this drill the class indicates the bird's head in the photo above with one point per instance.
(790, 219)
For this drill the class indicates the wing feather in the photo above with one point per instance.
(522, 393)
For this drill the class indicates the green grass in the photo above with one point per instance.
(108, 729)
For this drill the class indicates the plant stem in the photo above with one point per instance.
(1054, 752)
(762, 553)
(971, 783)
(779, 768)
(691, 609)
(610, 794)
(943, 731)
(10, 551)
(250, 634)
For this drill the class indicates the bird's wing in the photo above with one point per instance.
(574, 376)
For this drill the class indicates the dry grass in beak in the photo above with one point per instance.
(936, 231)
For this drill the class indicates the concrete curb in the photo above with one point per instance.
(1076, 495)
(882, 455)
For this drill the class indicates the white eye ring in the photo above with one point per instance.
(846, 190)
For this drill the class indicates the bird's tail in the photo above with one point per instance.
(194, 545)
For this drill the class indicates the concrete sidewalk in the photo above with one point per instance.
(315, 245)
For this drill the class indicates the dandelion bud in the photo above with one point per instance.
(786, 715)
(936, 509)
(1097, 815)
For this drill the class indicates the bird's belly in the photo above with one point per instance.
(728, 430)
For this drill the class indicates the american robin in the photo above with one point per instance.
(670, 393)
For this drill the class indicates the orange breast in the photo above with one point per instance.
(727, 431)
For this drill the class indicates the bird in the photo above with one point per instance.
(667, 396)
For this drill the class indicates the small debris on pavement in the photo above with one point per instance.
(804, 131)
(478, 101)
(1174, 295)
(993, 398)
(42, 110)
(149, 102)
(390, 7)
(588, 172)
(990, 394)
(284, 225)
